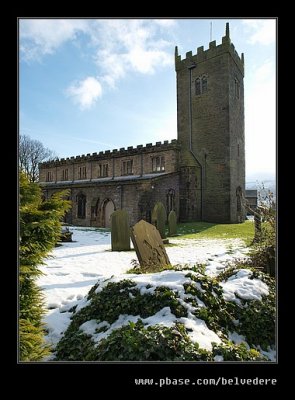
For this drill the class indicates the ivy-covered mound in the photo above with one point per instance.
(180, 315)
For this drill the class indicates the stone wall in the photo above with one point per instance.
(136, 196)
(211, 132)
(140, 156)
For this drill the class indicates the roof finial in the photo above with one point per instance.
(227, 30)
(176, 51)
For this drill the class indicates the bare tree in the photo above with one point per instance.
(31, 153)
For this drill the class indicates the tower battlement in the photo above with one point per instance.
(214, 50)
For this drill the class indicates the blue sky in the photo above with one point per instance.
(88, 85)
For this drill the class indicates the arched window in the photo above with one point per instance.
(170, 200)
(204, 84)
(201, 85)
(198, 86)
(81, 206)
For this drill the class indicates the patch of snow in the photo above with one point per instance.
(238, 339)
(197, 329)
(218, 358)
(174, 280)
(56, 324)
(199, 332)
(271, 354)
(74, 268)
(248, 289)
(163, 317)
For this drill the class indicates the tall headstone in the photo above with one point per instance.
(120, 231)
(148, 245)
(172, 223)
(159, 218)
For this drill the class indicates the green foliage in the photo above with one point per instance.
(147, 268)
(32, 346)
(40, 228)
(257, 318)
(216, 313)
(264, 249)
(234, 352)
(231, 270)
(135, 342)
(150, 268)
(138, 342)
(119, 298)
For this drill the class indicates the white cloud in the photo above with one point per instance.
(119, 46)
(165, 23)
(145, 61)
(264, 72)
(85, 93)
(261, 31)
(127, 46)
(39, 37)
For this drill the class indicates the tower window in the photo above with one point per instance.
(158, 164)
(103, 170)
(204, 84)
(201, 85)
(127, 167)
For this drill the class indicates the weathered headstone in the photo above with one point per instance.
(172, 223)
(159, 218)
(120, 231)
(148, 245)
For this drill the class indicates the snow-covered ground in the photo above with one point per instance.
(74, 268)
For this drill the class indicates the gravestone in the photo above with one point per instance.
(172, 223)
(120, 231)
(148, 245)
(159, 218)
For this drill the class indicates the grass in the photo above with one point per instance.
(207, 230)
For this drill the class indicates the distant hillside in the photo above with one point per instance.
(263, 186)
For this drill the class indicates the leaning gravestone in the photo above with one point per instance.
(159, 218)
(172, 223)
(120, 231)
(148, 245)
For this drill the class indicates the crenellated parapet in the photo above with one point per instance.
(214, 50)
(107, 154)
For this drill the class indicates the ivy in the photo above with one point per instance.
(138, 342)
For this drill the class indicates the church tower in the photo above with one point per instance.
(210, 126)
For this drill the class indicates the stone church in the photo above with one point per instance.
(201, 175)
